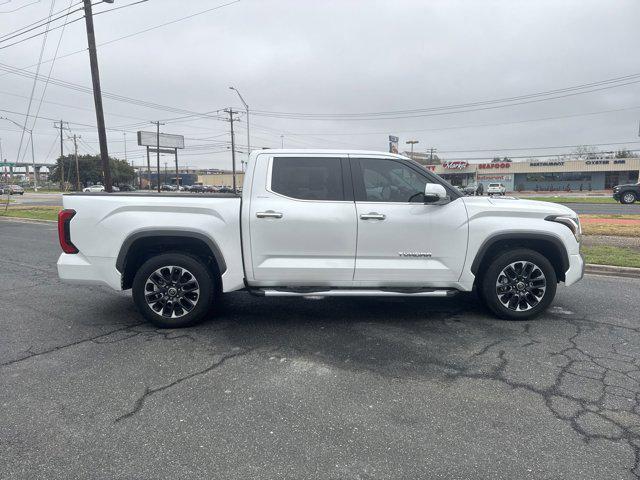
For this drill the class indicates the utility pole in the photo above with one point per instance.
(165, 172)
(231, 113)
(97, 93)
(61, 126)
(75, 150)
(157, 124)
(248, 136)
(281, 141)
(431, 150)
(124, 134)
(412, 143)
(148, 170)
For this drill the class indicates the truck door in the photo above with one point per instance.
(401, 240)
(302, 222)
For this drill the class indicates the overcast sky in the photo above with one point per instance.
(334, 57)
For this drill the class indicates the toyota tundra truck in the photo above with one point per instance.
(320, 223)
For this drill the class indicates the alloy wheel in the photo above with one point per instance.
(171, 291)
(520, 286)
(629, 197)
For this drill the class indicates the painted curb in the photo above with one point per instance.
(612, 271)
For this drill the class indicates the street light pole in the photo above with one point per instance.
(412, 143)
(248, 135)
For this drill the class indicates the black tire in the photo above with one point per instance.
(176, 313)
(628, 198)
(525, 303)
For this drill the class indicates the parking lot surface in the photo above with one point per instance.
(289, 388)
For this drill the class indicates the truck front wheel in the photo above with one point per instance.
(173, 290)
(519, 284)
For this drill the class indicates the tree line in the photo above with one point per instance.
(90, 170)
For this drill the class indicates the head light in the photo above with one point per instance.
(570, 221)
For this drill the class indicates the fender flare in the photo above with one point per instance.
(131, 239)
(520, 235)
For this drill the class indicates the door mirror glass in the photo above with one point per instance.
(434, 192)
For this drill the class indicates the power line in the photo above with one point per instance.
(88, 90)
(22, 40)
(38, 21)
(573, 88)
(67, 22)
(33, 87)
(44, 90)
(493, 107)
(478, 150)
(144, 31)
(21, 7)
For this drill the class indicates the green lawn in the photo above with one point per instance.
(605, 255)
(34, 213)
(572, 199)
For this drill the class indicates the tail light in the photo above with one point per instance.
(64, 231)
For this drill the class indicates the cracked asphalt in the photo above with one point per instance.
(295, 389)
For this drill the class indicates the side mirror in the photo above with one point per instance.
(434, 192)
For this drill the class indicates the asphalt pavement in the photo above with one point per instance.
(296, 389)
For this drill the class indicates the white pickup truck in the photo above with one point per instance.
(319, 223)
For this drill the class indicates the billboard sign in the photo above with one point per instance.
(393, 144)
(150, 139)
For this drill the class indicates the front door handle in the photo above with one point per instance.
(373, 216)
(269, 214)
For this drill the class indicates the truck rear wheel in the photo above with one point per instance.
(519, 284)
(173, 290)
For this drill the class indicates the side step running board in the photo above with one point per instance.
(351, 292)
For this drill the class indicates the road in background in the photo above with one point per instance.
(604, 208)
(289, 388)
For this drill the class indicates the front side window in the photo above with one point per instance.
(308, 178)
(391, 181)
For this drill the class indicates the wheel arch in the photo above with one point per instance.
(139, 247)
(546, 244)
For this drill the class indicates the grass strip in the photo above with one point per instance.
(606, 255)
(572, 199)
(33, 213)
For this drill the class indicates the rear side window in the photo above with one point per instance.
(308, 178)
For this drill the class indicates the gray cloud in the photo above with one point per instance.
(342, 56)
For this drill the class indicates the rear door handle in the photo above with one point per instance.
(269, 214)
(373, 216)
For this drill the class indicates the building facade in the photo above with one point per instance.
(543, 175)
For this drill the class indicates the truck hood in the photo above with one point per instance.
(528, 208)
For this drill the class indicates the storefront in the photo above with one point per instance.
(543, 176)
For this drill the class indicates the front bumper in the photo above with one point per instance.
(616, 196)
(576, 269)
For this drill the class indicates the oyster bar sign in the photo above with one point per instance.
(455, 165)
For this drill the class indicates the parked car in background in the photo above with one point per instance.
(471, 189)
(127, 188)
(168, 188)
(496, 189)
(11, 190)
(628, 193)
(94, 188)
(300, 230)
